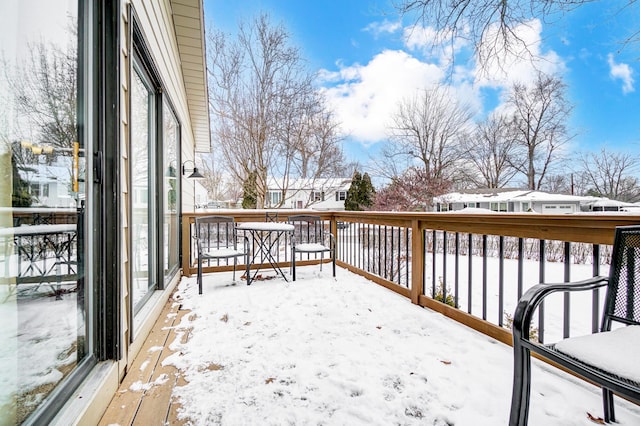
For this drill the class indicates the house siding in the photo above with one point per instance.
(156, 24)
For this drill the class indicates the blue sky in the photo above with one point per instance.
(368, 64)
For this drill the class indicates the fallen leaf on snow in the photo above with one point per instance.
(597, 420)
(214, 367)
(445, 362)
(225, 318)
(269, 380)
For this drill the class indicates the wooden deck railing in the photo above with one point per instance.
(479, 264)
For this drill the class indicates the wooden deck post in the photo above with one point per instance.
(417, 261)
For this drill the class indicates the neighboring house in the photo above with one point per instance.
(509, 200)
(330, 205)
(304, 193)
(599, 204)
(140, 110)
(50, 185)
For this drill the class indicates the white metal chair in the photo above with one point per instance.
(217, 239)
(309, 236)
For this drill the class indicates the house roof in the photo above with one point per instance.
(188, 22)
(606, 202)
(329, 204)
(44, 173)
(505, 196)
(316, 184)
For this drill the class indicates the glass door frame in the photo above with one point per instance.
(140, 67)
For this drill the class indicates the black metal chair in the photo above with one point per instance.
(622, 305)
(217, 239)
(271, 216)
(309, 236)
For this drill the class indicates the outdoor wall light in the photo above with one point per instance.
(195, 174)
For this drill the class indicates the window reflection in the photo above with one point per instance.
(42, 205)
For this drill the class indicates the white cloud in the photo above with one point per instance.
(431, 43)
(622, 72)
(365, 96)
(521, 62)
(386, 26)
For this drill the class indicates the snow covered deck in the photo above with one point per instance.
(325, 351)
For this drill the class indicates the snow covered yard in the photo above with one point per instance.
(349, 352)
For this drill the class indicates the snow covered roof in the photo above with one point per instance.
(46, 174)
(505, 196)
(606, 202)
(338, 183)
(329, 204)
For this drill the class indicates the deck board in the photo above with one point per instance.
(144, 396)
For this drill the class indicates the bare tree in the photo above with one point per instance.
(492, 26)
(540, 114)
(45, 89)
(428, 129)
(559, 184)
(268, 116)
(414, 190)
(491, 151)
(218, 184)
(310, 144)
(611, 174)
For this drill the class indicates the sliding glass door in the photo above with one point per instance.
(142, 185)
(154, 183)
(47, 205)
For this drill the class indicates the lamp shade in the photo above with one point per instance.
(196, 174)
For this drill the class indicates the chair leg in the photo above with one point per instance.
(248, 270)
(235, 262)
(521, 386)
(199, 279)
(321, 260)
(333, 260)
(607, 400)
(293, 266)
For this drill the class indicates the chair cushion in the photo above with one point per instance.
(311, 247)
(614, 351)
(222, 252)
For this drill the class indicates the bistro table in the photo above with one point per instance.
(266, 236)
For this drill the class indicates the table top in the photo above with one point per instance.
(41, 210)
(265, 226)
(38, 229)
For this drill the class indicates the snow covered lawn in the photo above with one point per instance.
(349, 352)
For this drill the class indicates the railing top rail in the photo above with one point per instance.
(580, 227)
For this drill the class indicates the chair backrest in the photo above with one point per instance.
(271, 216)
(307, 228)
(216, 231)
(623, 293)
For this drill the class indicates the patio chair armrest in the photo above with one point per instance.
(530, 300)
(246, 244)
